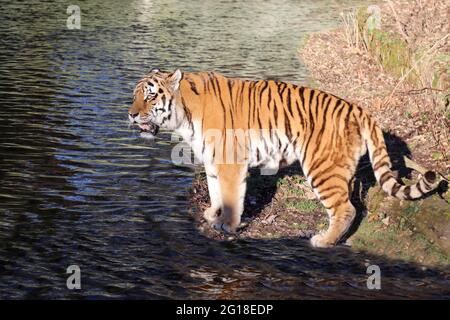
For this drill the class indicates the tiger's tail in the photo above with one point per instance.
(381, 165)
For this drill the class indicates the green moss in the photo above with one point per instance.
(393, 53)
(398, 243)
(437, 155)
(303, 205)
(390, 50)
(416, 230)
(412, 208)
(291, 185)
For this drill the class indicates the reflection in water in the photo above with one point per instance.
(78, 186)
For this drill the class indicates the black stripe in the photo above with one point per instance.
(262, 90)
(230, 88)
(336, 175)
(339, 203)
(395, 189)
(288, 102)
(251, 107)
(385, 177)
(301, 92)
(300, 114)
(427, 185)
(315, 164)
(275, 112)
(188, 116)
(407, 192)
(322, 129)
(255, 105)
(287, 125)
(374, 136)
(420, 188)
(168, 109)
(193, 87)
(311, 129)
(284, 85)
(348, 115)
(331, 188)
(380, 164)
(376, 164)
(269, 101)
(222, 105)
(377, 152)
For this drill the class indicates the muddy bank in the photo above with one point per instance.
(414, 117)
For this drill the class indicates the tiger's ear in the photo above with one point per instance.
(174, 80)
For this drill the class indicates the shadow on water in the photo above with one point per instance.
(283, 268)
(324, 273)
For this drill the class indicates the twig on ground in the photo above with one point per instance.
(419, 91)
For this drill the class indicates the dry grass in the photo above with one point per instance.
(351, 29)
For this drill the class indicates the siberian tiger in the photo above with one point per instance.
(233, 124)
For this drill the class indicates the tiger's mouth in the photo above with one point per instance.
(149, 127)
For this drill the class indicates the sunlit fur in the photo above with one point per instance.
(328, 135)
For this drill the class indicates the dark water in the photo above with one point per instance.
(78, 186)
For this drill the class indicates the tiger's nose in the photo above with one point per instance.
(134, 117)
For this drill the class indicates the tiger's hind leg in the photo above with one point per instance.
(341, 218)
(335, 196)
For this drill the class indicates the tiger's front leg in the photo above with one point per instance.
(210, 214)
(232, 183)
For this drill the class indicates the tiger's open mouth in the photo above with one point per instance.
(149, 127)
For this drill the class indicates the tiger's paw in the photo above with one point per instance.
(210, 215)
(222, 226)
(321, 241)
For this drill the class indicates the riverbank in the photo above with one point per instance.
(357, 62)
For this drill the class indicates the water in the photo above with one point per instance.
(78, 186)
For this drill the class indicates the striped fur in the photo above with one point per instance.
(265, 123)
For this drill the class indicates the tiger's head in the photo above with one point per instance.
(153, 101)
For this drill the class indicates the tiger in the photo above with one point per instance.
(287, 122)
